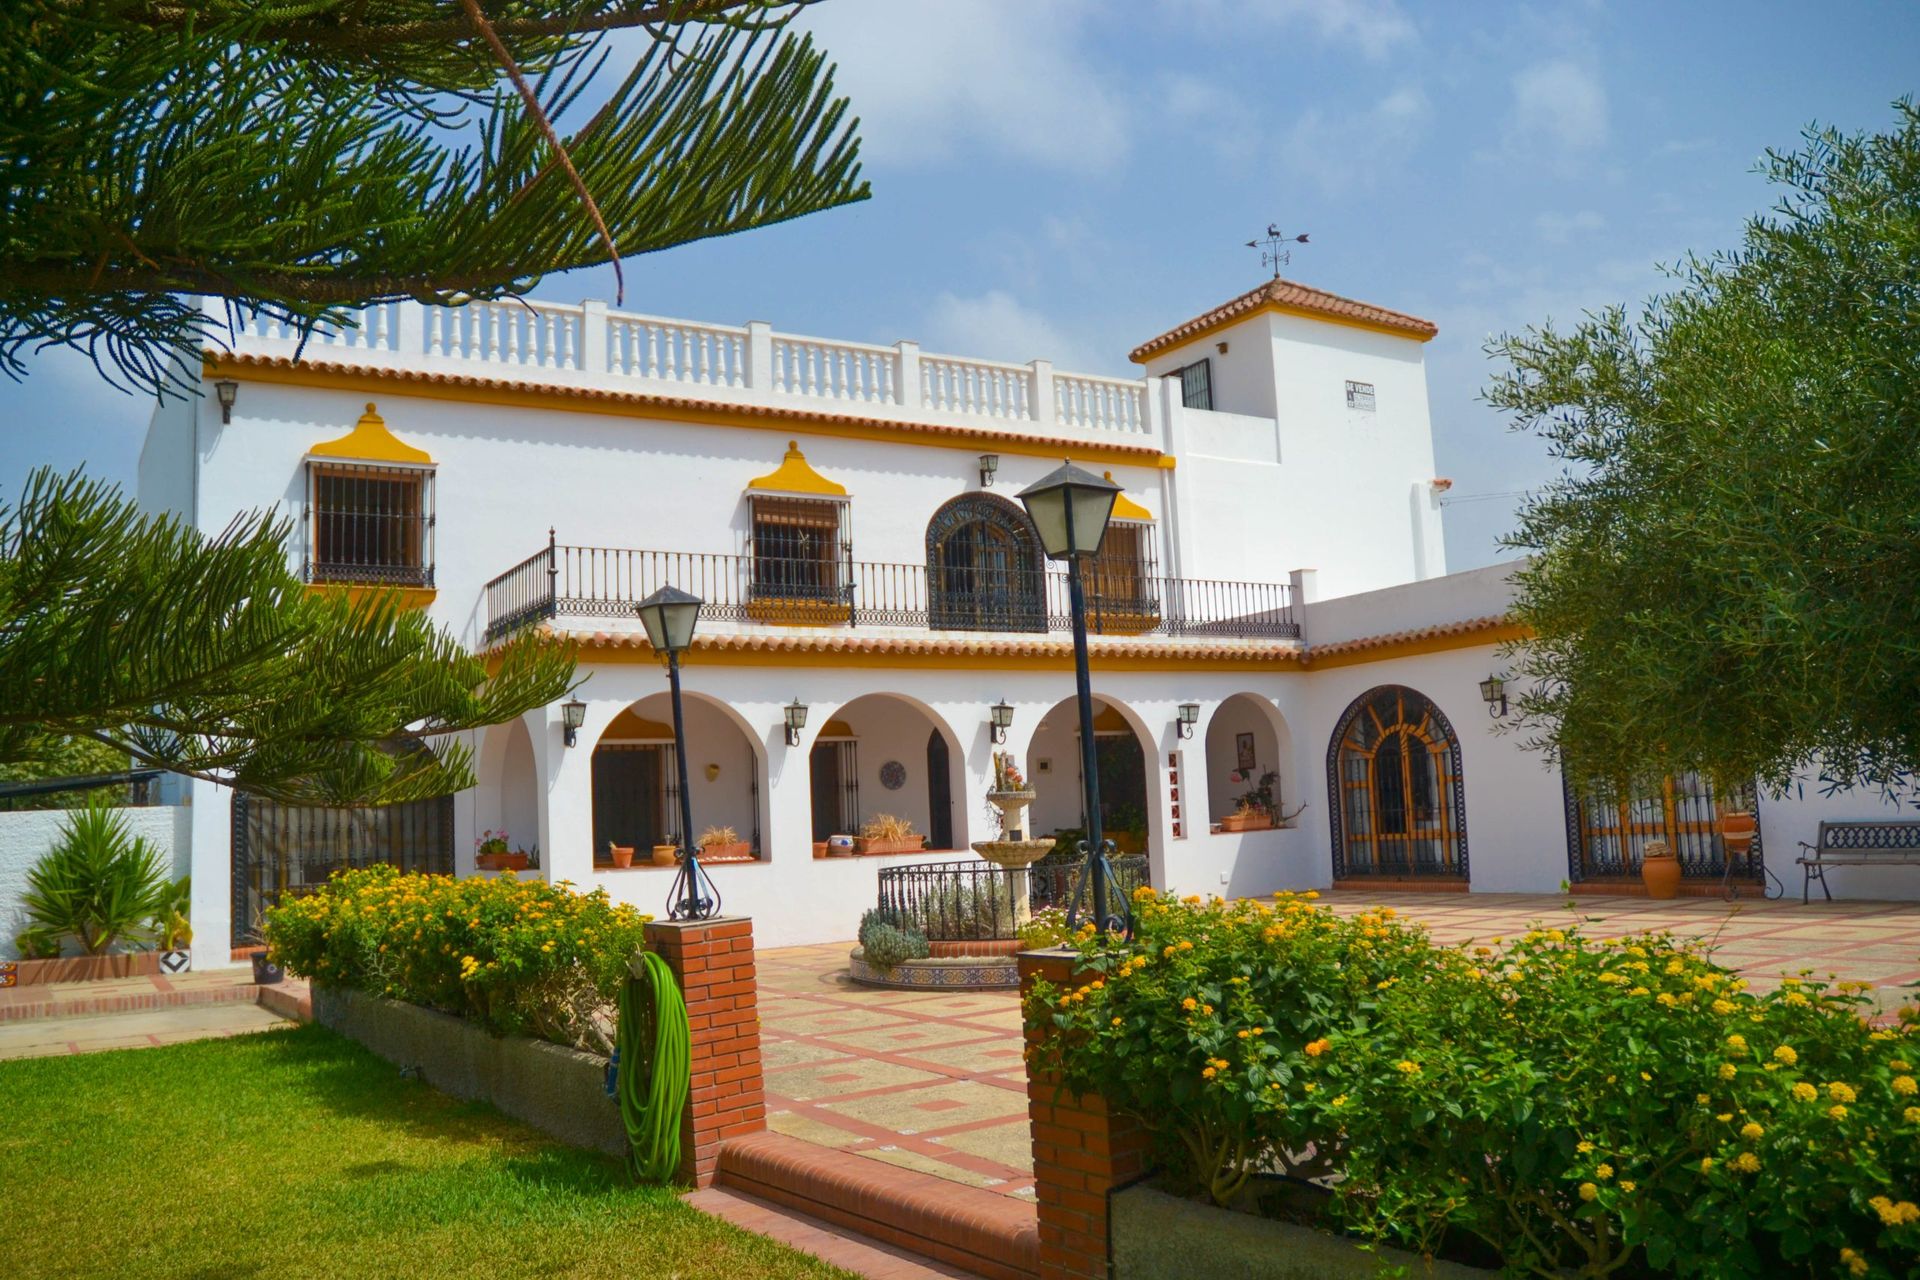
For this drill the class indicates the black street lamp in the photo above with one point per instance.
(1069, 508)
(669, 616)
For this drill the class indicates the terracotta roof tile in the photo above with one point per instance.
(1466, 626)
(1293, 297)
(773, 413)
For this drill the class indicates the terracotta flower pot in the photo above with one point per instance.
(1737, 829)
(622, 855)
(665, 855)
(1660, 870)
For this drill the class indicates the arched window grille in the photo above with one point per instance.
(1393, 773)
(984, 567)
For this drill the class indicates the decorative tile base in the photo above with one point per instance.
(979, 973)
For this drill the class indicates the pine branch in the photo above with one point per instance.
(212, 163)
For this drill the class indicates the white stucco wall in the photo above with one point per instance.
(27, 835)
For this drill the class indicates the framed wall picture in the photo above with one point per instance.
(1243, 752)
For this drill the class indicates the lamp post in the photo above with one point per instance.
(1069, 508)
(669, 616)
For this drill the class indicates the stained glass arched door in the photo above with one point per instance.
(984, 567)
(1393, 770)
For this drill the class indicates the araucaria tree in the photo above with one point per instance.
(1724, 578)
(307, 157)
(210, 658)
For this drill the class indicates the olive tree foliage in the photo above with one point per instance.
(304, 157)
(1726, 575)
(208, 657)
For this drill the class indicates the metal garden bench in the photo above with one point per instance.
(1878, 843)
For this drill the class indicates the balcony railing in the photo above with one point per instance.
(562, 581)
(747, 363)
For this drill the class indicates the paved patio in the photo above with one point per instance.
(933, 1081)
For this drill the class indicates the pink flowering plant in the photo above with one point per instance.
(1611, 1107)
(520, 957)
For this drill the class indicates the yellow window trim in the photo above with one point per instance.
(370, 441)
(1125, 508)
(409, 597)
(796, 476)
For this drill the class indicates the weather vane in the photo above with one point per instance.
(1272, 252)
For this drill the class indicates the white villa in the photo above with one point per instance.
(1272, 599)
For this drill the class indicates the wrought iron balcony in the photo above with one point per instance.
(560, 581)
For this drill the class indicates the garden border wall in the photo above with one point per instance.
(559, 1091)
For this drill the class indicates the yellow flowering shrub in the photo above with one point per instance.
(520, 957)
(1537, 1095)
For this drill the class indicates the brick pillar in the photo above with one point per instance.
(713, 962)
(1081, 1152)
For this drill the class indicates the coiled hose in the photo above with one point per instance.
(653, 1027)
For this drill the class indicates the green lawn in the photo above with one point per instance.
(298, 1153)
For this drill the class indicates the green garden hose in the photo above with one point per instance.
(653, 1027)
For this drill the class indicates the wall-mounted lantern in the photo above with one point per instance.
(1189, 717)
(227, 393)
(1493, 692)
(989, 465)
(796, 721)
(1002, 716)
(573, 714)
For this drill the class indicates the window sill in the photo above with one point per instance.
(409, 597)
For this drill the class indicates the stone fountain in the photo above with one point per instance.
(1015, 849)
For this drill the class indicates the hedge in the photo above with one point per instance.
(1621, 1106)
(520, 957)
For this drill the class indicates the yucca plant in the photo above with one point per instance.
(100, 883)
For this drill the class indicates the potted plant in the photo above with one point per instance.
(492, 853)
(1660, 870)
(665, 852)
(884, 833)
(622, 854)
(1253, 810)
(1738, 827)
(266, 970)
(1008, 781)
(102, 886)
(723, 844)
(171, 929)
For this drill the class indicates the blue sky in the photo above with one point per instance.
(1066, 178)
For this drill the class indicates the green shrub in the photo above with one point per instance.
(886, 946)
(875, 917)
(1047, 928)
(1589, 1108)
(172, 915)
(37, 943)
(100, 884)
(520, 957)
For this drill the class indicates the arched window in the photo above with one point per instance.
(984, 567)
(1393, 771)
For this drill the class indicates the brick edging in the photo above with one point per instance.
(989, 1234)
(135, 1002)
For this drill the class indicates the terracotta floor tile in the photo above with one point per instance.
(903, 1113)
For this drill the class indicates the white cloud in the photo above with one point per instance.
(1373, 27)
(1351, 152)
(937, 78)
(997, 326)
(1558, 104)
(1559, 228)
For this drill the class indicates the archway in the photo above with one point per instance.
(1249, 753)
(636, 782)
(985, 567)
(885, 755)
(1393, 778)
(1054, 772)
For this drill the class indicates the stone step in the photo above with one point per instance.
(839, 1246)
(979, 1232)
(125, 995)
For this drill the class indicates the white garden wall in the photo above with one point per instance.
(27, 835)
